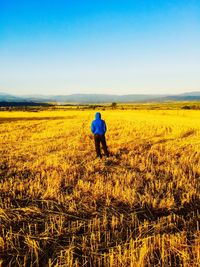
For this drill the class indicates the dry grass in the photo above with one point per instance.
(59, 206)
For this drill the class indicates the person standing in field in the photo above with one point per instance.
(98, 128)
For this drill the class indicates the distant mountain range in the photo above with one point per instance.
(10, 98)
(98, 98)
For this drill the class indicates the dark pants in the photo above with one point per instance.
(100, 139)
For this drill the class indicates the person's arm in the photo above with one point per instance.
(92, 127)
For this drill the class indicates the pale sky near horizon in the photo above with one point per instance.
(115, 47)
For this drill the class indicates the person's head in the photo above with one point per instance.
(98, 115)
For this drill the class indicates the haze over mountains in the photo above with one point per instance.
(99, 98)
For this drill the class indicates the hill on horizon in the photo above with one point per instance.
(100, 98)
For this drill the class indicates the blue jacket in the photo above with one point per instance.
(98, 126)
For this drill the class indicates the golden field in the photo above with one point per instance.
(60, 206)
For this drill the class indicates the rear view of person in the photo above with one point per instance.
(98, 128)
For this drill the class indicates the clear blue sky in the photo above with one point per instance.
(104, 46)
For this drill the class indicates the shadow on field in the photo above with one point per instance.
(144, 212)
(6, 172)
(147, 212)
(121, 151)
(163, 141)
(42, 213)
(3, 120)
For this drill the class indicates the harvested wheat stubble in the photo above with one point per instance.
(61, 207)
